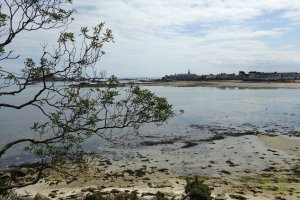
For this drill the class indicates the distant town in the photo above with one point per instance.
(251, 76)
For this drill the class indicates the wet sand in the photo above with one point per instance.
(226, 84)
(254, 167)
(285, 143)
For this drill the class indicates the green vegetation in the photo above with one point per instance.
(275, 182)
(97, 196)
(197, 190)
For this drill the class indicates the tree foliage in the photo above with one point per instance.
(73, 113)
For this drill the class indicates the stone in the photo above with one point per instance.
(225, 172)
(140, 173)
(163, 170)
(238, 197)
(220, 197)
(52, 194)
(5, 176)
(39, 196)
(163, 185)
(148, 194)
(188, 145)
(24, 170)
(92, 189)
(114, 191)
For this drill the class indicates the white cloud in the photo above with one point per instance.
(293, 15)
(157, 37)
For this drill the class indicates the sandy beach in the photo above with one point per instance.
(227, 84)
(249, 167)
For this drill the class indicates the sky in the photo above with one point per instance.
(159, 37)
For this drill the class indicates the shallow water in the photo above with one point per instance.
(207, 111)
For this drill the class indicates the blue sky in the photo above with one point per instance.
(154, 38)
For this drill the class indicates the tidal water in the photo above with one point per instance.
(208, 111)
(263, 110)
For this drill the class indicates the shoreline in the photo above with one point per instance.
(277, 176)
(226, 84)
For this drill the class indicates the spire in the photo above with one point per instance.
(189, 72)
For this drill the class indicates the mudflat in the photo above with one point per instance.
(245, 167)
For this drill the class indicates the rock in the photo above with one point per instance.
(84, 190)
(163, 170)
(92, 189)
(220, 197)
(152, 143)
(52, 194)
(129, 171)
(148, 194)
(237, 196)
(280, 198)
(5, 176)
(115, 191)
(89, 189)
(163, 185)
(24, 170)
(225, 172)
(25, 198)
(247, 171)
(80, 195)
(39, 196)
(53, 183)
(140, 173)
(231, 164)
(144, 166)
(72, 196)
(188, 145)
(101, 187)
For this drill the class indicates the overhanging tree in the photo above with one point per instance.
(73, 113)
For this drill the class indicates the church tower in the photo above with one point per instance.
(189, 73)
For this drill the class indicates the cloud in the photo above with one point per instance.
(153, 38)
(293, 15)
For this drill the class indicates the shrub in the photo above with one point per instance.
(97, 196)
(119, 196)
(197, 190)
(160, 196)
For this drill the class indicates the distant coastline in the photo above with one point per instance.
(239, 84)
(251, 76)
(227, 84)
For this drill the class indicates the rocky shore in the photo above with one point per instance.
(245, 167)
